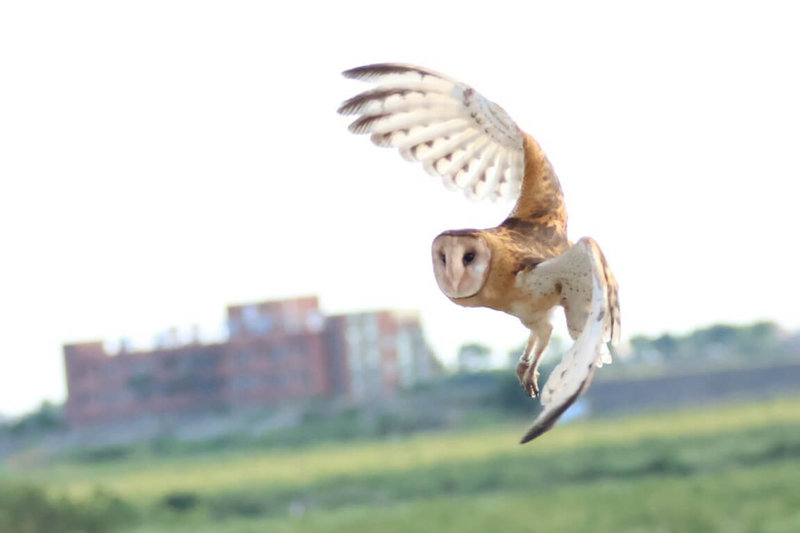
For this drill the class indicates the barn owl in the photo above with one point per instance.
(525, 267)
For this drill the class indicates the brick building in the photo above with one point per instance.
(130, 384)
(276, 352)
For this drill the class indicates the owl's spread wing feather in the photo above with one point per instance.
(456, 133)
(589, 295)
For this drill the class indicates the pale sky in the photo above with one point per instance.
(160, 160)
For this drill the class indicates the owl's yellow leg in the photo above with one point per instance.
(528, 367)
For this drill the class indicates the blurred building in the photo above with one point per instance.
(128, 385)
(370, 354)
(276, 352)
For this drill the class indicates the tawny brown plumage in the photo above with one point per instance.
(525, 266)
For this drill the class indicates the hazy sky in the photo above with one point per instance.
(160, 160)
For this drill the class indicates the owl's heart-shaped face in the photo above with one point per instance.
(460, 263)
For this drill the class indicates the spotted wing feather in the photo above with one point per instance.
(456, 133)
(589, 295)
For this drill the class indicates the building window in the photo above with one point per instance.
(243, 358)
(278, 353)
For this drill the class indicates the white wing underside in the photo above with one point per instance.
(457, 134)
(582, 274)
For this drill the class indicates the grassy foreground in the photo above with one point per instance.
(735, 468)
(763, 499)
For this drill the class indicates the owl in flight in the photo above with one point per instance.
(525, 266)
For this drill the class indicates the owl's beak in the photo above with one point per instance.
(455, 274)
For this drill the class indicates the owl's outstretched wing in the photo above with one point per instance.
(456, 133)
(589, 295)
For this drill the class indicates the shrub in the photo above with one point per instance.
(27, 508)
(104, 454)
(180, 501)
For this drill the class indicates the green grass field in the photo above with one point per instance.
(733, 468)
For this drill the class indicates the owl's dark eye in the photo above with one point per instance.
(443, 258)
(468, 258)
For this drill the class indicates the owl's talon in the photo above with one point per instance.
(533, 383)
(528, 378)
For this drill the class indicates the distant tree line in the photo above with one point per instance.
(47, 417)
(720, 341)
(758, 341)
